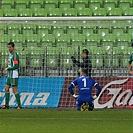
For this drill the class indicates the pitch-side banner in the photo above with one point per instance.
(116, 93)
(35, 92)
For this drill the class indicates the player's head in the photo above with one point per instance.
(85, 53)
(11, 46)
(83, 72)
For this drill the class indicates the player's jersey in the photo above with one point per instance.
(13, 63)
(85, 85)
(131, 59)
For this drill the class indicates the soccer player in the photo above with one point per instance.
(86, 61)
(12, 78)
(84, 97)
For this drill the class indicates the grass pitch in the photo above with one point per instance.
(66, 121)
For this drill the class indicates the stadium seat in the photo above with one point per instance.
(130, 32)
(55, 13)
(65, 6)
(13, 32)
(125, 38)
(35, 6)
(70, 12)
(126, 1)
(64, 38)
(25, 13)
(1, 13)
(18, 38)
(22, 2)
(58, 32)
(5, 7)
(94, 6)
(118, 31)
(128, 12)
(52, 2)
(100, 12)
(42, 32)
(115, 12)
(48, 38)
(97, 1)
(40, 12)
(49, 6)
(111, 1)
(66, 1)
(33, 38)
(72, 32)
(79, 6)
(20, 7)
(85, 12)
(11, 13)
(88, 32)
(78, 38)
(109, 6)
(8, 2)
(81, 2)
(27, 32)
(109, 37)
(124, 6)
(36, 2)
(103, 32)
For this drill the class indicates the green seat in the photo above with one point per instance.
(1, 13)
(109, 6)
(14, 26)
(85, 12)
(126, 1)
(25, 13)
(48, 38)
(97, 1)
(58, 32)
(103, 32)
(20, 7)
(130, 32)
(128, 12)
(27, 32)
(78, 38)
(13, 32)
(40, 12)
(36, 2)
(66, 1)
(111, 1)
(95, 38)
(81, 2)
(8, 2)
(22, 2)
(118, 32)
(33, 38)
(49, 6)
(18, 38)
(88, 32)
(72, 32)
(124, 6)
(94, 6)
(55, 13)
(79, 6)
(5, 38)
(65, 6)
(125, 38)
(64, 38)
(11, 13)
(42, 32)
(109, 37)
(70, 12)
(100, 12)
(52, 2)
(35, 6)
(5, 7)
(115, 12)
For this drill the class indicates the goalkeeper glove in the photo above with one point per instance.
(75, 96)
(94, 97)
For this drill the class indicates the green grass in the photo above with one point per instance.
(66, 121)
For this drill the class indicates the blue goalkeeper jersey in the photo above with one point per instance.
(85, 85)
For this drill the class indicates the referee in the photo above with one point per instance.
(86, 61)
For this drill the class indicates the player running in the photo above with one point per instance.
(12, 78)
(84, 97)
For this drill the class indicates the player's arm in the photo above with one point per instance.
(70, 88)
(129, 64)
(16, 63)
(97, 86)
(76, 61)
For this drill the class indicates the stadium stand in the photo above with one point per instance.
(100, 37)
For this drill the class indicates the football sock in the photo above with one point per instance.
(7, 95)
(18, 99)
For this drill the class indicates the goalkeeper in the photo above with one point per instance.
(85, 98)
(86, 61)
(12, 78)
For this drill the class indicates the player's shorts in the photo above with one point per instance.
(12, 81)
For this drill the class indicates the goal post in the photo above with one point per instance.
(45, 46)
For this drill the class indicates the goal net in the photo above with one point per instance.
(45, 47)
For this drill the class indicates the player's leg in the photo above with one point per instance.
(7, 94)
(15, 91)
(78, 105)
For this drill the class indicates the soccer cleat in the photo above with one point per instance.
(84, 107)
(18, 107)
(5, 107)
